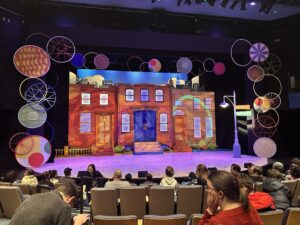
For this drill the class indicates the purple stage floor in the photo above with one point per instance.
(183, 163)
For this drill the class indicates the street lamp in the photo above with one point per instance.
(236, 145)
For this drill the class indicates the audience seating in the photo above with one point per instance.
(189, 199)
(195, 218)
(104, 201)
(296, 194)
(25, 188)
(204, 202)
(291, 184)
(291, 216)
(133, 201)
(161, 200)
(176, 219)
(273, 217)
(10, 198)
(115, 220)
(5, 184)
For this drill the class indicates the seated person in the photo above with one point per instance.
(235, 170)
(149, 181)
(46, 179)
(49, 208)
(201, 173)
(53, 176)
(67, 177)
(128, 177)
(256, 173)
(169, 180)
(116, 181)
(29, 177)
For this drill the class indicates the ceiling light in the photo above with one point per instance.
(252, 3)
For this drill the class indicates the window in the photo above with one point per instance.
(159, 95)
(197, 127)
(85, 122)
(163, 120)
(129, 93)
(103, 99)
(144, 95)
(208, 127)
(196, 102)
(85, 98)
(125, 123)
(178, 102)
(208, 103)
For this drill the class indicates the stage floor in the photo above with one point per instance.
(183, 163)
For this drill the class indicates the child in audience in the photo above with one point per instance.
(227, 205)
(169, 180)
(201, 173)
(29, 177)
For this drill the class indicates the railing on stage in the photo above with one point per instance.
(66, 151)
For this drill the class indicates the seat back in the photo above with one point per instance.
(291, 184)
(10, 199)
(296, 194)
(33, 189)
(133, 201)
(189, 199)
(271, 217)
(25, 188)
(5, 184)
(204, 202)
(161, 200)
(175, 219)
(195, 218)
(115, 220)
(259, 186)
(104, 201)
(291, 216)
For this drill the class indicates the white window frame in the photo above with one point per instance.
(103, 99)
(144, 95)
(209, 127)
(159, 97)
(125, 123)
(163, 122)
(208, 103)
(196, 102)
(85, 98)
(83, 122)
(129, 96)
(197, 130)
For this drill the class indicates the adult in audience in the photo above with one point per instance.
(295, 175)
(261, 201)
(149, 181)
(128, 177)
(279, 192)
(46, 179)
(53, 176)
(67, 177)
(29, 177)
(256, 173)
(293, 163)
(227, 205)
(92, 172)
(235, 169)
(202, 174)
(10, 176)
(169, 180)
(50, 208)
(280, 168)
(116, 181)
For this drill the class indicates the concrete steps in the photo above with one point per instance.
(147, 147)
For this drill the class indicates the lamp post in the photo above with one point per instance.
(236, 145)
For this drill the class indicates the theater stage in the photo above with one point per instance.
(183, 162)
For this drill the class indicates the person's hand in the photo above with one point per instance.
(212, 203)
(80, 219)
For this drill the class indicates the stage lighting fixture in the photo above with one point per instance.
(243, 4)
(224, 3)
(234, 3)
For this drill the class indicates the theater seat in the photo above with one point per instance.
(291, 216)
(273, 217)
(115, 220)
(10, 199)
(176, 219)
(195, 218)
(104, 201)
(161, 200)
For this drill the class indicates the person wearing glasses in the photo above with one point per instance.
(226, 203)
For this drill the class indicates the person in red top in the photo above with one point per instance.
(226, 204)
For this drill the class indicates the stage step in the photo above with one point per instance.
(145, 147)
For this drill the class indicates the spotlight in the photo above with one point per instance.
(224, 3)
(243, 4)
(235, 2)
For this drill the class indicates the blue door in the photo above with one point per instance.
(145, 125)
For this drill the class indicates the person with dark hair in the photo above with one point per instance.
(94, 176)
(149, 181)
(201, 174)
(50, 208)
(256, 173)
(53, 176)
(128, 177)
(46, 179)
(279, 192)
(10, 176)
(67, 177)
(29, 177)
(295, 174)
(169, 180)
(227, 204)
(235, 169)
(92, 172)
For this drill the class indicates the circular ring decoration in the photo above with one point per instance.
(184, 65)
(205, 67)
(15, 139)
(84, 59)
(260, 131)
(43, 89)
(131, 58)
(78, 60)
(32, 61)
(154, 65)
(142, 67)
(272, 65)
(265, 147)
(268, 124)
(231, 54)
(34, 94)
(259, 52)
(199, 72)
(262, 104)
(36, 34)
(50, 129)
(271, 76)
(60, 49)
(39, 154)
(275, 100)
(32, 115)
(101, 61)
(255, 73)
